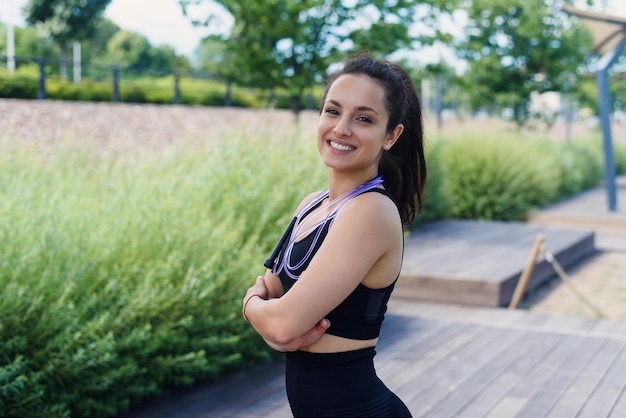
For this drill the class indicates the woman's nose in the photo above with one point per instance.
(342, 128)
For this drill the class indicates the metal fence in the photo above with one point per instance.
(100, 72)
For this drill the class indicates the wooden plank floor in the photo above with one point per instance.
(455, 361)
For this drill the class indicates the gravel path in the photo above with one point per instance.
(134, 125)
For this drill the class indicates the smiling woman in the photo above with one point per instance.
(324, 296)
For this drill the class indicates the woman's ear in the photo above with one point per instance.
(393, 136)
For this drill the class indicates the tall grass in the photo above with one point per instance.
(502, 175)
(122, 275)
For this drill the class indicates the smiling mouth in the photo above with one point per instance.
(340, 147)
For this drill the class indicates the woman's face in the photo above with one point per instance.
(352, 127)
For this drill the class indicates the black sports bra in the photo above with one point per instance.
(361, 314)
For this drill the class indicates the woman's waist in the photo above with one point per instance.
(334, 344)
(331, 359)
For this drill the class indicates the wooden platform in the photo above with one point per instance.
(479, 263)
(455, 361)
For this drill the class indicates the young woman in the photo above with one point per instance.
(325, 293)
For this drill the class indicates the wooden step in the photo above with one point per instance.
(479, 263)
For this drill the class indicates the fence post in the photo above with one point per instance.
(116, 85)
(42, 79)
(176, 88)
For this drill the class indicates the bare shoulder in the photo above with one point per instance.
(376, 205)
(373, 210)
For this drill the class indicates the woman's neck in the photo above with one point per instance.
(339, 183)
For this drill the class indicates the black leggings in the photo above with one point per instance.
(339, 385)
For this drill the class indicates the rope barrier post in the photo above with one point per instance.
(524, 279)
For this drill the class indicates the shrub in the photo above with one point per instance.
(122, 276)
(22, 84)
(491, 178)
(579, 164)
(436, 199)
(85, 91)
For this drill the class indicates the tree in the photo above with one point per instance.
(94, 48)
(28, 43)
(515, 47)
(133, 50)
(290, 44)
(65, 20)
(129, 49)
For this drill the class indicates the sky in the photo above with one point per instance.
(162, 21)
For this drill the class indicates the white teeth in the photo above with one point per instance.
(340, 147)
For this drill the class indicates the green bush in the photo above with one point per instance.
(22, 84)
(25, 83)
(436, 199)
(97, 86)
(503, 177)
(498, 179)
(18, 88)
(123, 276)
(85, 91)
(579, 164)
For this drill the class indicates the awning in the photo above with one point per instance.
(606, 31)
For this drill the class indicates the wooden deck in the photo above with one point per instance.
(454, 361)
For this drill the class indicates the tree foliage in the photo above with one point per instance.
(290, 44)
(28, 43)
(515, 47)
(133, 50)
(65, 20)
(95, 46)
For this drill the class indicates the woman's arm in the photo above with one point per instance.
(273, 284)
(366, 230)
(314, 334)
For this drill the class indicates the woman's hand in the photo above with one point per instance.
(309, 338)
(260, 289)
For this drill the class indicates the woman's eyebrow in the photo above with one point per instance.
(366, 109)
(360, 108)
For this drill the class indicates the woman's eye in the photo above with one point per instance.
(364, 119)
(332, 111)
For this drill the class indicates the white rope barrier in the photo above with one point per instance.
(565, 278)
